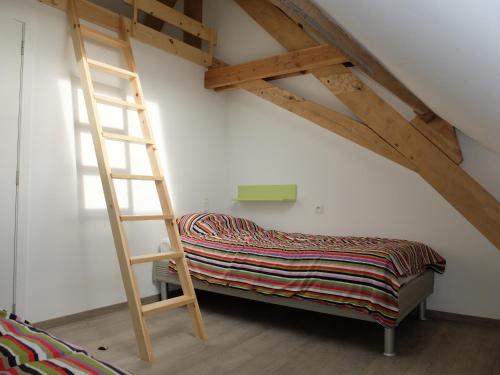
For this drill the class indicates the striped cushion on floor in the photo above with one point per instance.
(25, 349)
(77, 363)
(21, 343)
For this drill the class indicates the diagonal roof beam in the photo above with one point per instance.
(468, 197)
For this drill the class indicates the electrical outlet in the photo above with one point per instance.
(319, 208)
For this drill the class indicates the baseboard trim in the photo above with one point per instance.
(460, 318)
(67, 319)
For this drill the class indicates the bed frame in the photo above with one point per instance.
(411, 295)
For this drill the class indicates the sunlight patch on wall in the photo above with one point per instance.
(116, 152)
(157, 129)
(133, 123)
(67, 110)
(82, 110)
(111, 116)
(124, 157)
(88, 158)
(144, 197)
(94, 195)
(139, 160)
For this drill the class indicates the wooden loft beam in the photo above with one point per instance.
(468, 197)
(291, 62)
(156, 23)
(162, 41)
(110, 20)
(194, 10)
(173, 17)
(183, 22)
(308, 14)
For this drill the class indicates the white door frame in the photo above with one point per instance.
(19, 138)
(23, 167)
(13, 95)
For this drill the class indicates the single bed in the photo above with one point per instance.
(373, 279)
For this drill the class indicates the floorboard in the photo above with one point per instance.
(247, 337)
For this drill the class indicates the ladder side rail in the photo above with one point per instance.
(161, 187)
(128, 276)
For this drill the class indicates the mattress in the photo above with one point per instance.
(361, 273)
(402, 280)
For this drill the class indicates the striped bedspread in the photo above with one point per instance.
(352, 272)
(25, 349)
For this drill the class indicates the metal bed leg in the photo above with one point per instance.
(389, 339)
(163, 290)
(422, 308)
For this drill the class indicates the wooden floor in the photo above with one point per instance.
(247, 337)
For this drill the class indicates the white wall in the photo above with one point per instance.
(68, 262)
(362, 193)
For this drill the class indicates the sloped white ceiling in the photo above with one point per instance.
(447, 52)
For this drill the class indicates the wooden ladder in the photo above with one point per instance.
(137, 310)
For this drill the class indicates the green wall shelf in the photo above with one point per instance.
(267, 193)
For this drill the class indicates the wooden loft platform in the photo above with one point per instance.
(427, 144)
(103, 17)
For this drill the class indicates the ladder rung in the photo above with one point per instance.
(168, 304)
(145, 217)
(124, 176)
(127, 138)
(118, 102)
(102, 37)
(123, 73)
(153, 257)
